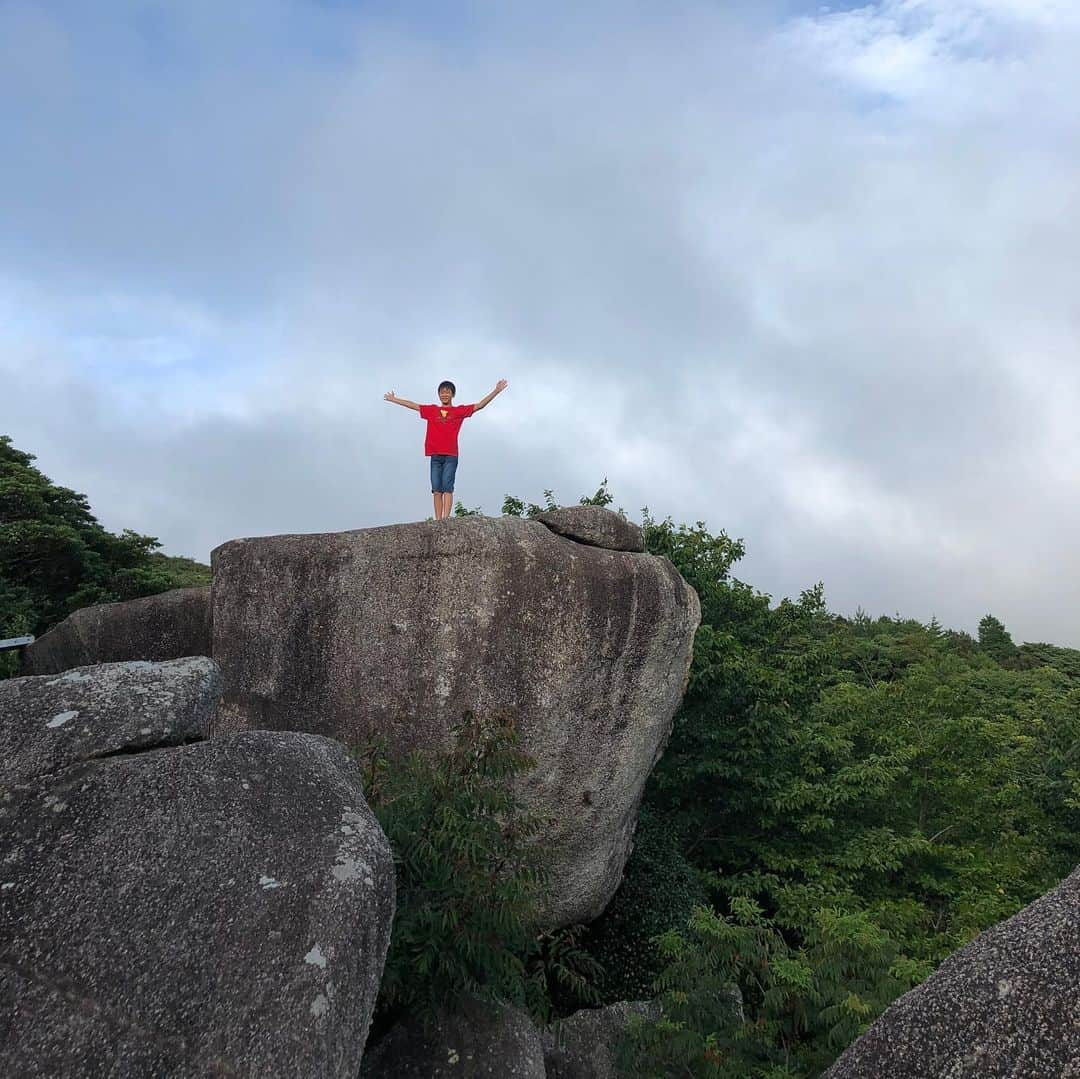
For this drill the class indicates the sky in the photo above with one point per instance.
(808, 274)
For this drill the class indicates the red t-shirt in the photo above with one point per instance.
(443, 425)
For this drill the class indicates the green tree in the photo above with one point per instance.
(740, 1002)
(887, 781)
(659, 892)
(55, 557)
(996, 641)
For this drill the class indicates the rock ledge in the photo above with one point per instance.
(594, 526)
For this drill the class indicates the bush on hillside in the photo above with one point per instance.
(469, 881)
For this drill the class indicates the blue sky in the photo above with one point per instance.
(807, 275)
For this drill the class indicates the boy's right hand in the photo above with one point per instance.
(389, 397)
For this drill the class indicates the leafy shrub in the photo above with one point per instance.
(469, 880)
(516, 507)
(659, 890)
(739, 1002)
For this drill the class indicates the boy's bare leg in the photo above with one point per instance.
(437, 498)
(448, 502)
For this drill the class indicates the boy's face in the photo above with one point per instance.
(445, 396)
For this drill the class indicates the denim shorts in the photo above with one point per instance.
(443, 467)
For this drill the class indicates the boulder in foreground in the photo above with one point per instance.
(1006, 1005)
(52, 721)
(479, 1041)
(585, 1044)
(217, 908)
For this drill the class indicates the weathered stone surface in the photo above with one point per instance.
(220, 908)
(41, 1023)
(51, 721)
(480, 1040)
(399, 631)
(167, 626)
(583, 1046)
(1008, 1004)
(596, 526)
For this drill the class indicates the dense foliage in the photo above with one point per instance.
(858, 797)
(660, 890)
(878, 764)
(469, 880)
(55, 557)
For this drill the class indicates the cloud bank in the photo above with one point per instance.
(808, 275)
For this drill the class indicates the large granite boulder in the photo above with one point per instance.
(216, 908)
(49, 722)
(166, 626)
(476, 1041)
(1007, 1004)
(399, 631)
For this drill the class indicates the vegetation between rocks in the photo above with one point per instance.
(469, 881)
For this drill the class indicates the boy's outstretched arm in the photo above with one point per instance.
(499, 387)
(395, 400)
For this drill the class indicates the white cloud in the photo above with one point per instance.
(812, 281)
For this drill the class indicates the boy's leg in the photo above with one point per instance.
(436, 484)
(442, 484)
(449, 472)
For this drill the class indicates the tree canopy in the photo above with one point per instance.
(55, 556)
(844, 801)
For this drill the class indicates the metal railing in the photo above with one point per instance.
(16, 642)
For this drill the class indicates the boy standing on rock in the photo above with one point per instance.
(444, 420)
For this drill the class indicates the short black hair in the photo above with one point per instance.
(447, 385)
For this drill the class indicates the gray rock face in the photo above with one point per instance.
(217, 908)
(52, 721)
(1008, 1004)
(596, 526)
(584, 1045)
(167, 626)
(494, 1041)
(481, 1041)
(399, 631)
